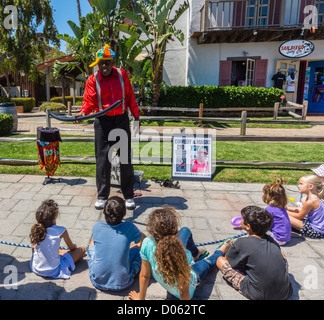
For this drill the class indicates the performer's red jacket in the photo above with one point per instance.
(111, 91)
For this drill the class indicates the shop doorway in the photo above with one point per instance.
(316, 87)
(238, 73)
(291, 71)
(243, 73)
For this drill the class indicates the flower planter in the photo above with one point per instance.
(20, 109)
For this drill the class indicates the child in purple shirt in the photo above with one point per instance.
(274, 195)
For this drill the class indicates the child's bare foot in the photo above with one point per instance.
(201, 255)
(225, 246)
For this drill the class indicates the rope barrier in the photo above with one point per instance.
(23, 245)
(218, 241)
(63, 248)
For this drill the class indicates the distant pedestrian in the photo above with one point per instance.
(48, 259)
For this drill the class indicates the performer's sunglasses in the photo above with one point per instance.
(105, 62)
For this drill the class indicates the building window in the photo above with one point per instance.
(257, 13)
(320, 11)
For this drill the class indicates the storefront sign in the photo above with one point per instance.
(192, 157)
(296, 48)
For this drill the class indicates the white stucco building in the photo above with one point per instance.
(237, 43)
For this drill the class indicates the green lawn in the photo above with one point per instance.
(235, 151)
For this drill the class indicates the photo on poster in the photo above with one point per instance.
(192, 157)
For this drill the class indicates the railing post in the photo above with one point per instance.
(304, 111)
(243, 123)
(275, 111)
(201, 112)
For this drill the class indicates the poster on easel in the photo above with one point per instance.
(192, 157)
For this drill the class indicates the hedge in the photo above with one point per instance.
(6, 124)
(219, 97)
(5, 99)
(28, 103)
(67, 98)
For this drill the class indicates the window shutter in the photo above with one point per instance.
(260, 73)
(225, 71)
(303, 4)
(274, 13)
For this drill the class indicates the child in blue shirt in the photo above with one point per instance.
(113, 262)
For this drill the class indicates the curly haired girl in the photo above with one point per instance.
(172, 257)
(274, 195)
(48, 260)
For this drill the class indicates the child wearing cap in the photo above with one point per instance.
(319, 172)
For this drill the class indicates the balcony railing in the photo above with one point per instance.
(258, 14)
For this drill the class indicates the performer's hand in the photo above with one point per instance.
(135, 127)
(77, 115)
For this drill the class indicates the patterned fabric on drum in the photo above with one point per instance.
(49, 156)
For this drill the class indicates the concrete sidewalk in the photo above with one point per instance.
(205, 207)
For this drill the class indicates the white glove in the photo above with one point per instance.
(135, 129)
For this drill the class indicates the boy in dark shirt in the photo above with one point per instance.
(255, 265)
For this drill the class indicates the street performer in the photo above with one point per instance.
(103, 88)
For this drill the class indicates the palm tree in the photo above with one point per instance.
(79, 10)
(84, 43)
(153, 17)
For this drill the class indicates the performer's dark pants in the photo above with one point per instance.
(103, 127)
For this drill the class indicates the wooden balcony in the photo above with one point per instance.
(257, 21)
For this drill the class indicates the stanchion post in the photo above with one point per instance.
(69, 108)
(48, 118)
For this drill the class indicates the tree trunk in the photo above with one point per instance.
(7, 75)
(79, 10)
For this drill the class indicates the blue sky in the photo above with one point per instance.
(64, 10)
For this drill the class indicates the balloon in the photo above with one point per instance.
(236, 221)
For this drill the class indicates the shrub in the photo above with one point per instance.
(5, 99)
(78, 99)
(219, 97)
(6, 124)
(28, 103)
(52, 106)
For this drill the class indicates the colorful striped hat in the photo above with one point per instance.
(105, 53)
(319, 171)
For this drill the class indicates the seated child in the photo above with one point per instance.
(254, 265)
(274, 195)
(113, 261)
(309, 219)
(48, 260)
(172, 257)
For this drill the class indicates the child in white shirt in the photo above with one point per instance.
(48, 259)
